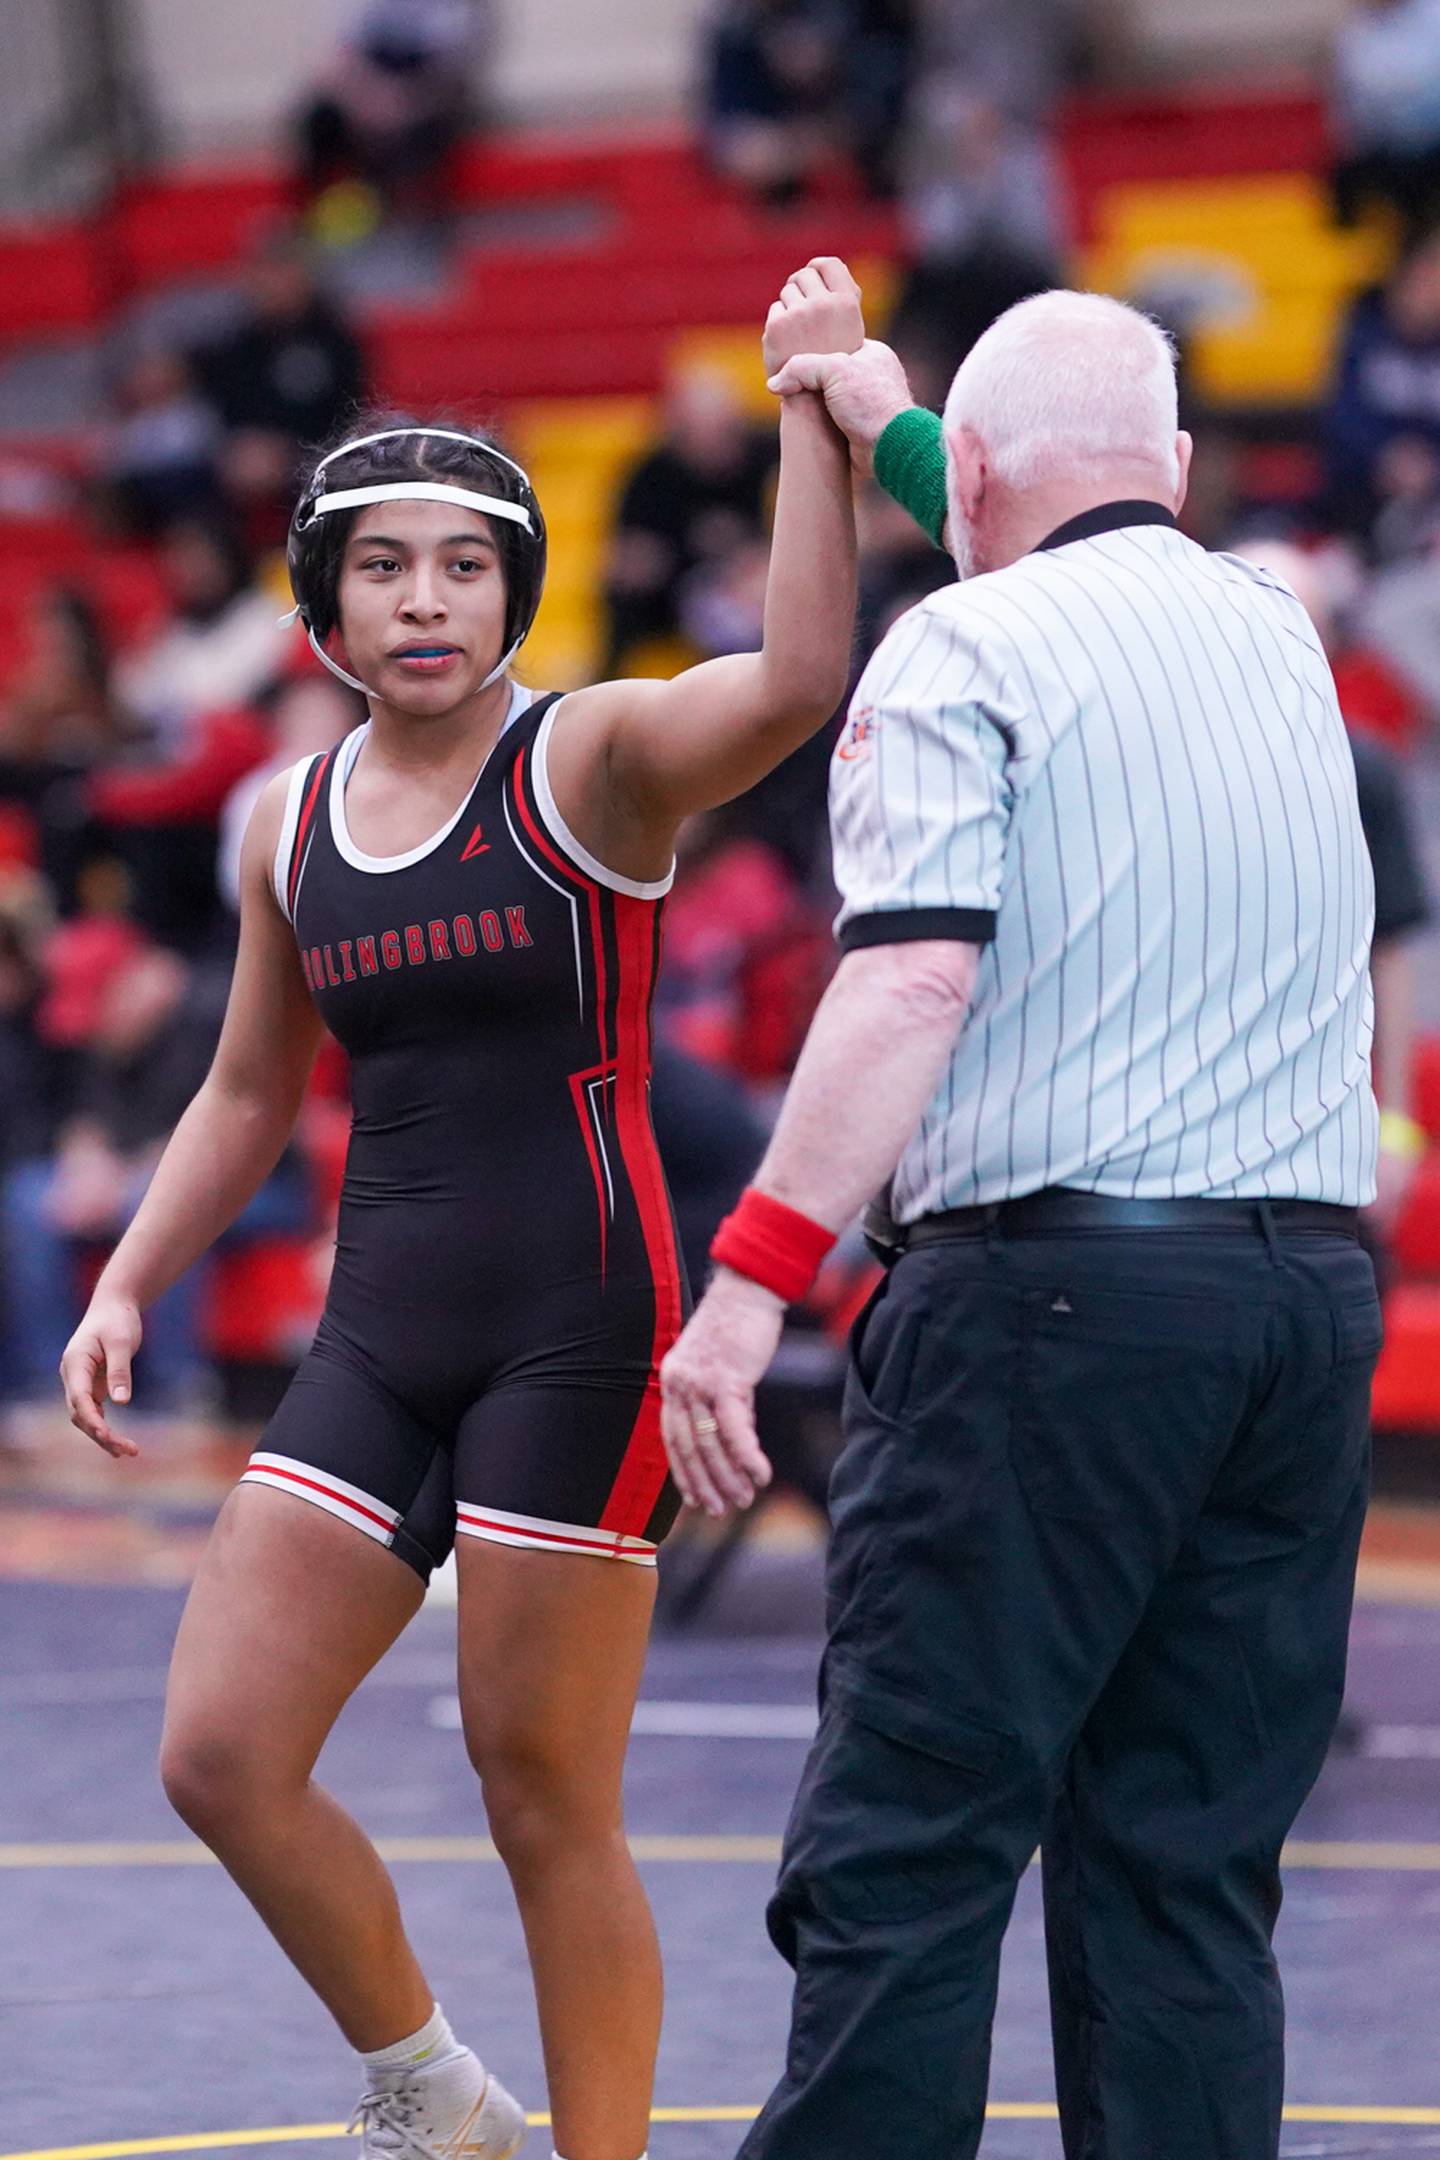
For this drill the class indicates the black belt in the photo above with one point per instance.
(1058, 1209)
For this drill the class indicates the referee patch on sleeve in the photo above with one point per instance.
(908, 926)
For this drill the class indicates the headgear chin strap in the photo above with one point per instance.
(364, 688)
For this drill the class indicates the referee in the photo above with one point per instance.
(1102, 1030)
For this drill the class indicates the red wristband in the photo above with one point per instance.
(774, 1245)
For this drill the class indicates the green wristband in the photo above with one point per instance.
(910, 465)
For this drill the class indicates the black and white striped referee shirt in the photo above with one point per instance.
(1119, 766)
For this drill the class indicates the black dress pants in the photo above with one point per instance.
(1095, 1531)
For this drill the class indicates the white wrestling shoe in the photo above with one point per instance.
(397, 2122)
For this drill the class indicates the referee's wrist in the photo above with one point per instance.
(731, 1282)
(910, 466)
(766, 1242)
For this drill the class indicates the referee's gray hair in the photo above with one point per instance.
(1065, 381)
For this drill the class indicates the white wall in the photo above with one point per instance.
(226, 72)
(1180, 33)
(634, 55)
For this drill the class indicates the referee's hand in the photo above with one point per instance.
(707, 1394)
(863, 391)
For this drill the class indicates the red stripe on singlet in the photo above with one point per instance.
(297, 853)
(580, 1095)
(587, 886)
(641, 1475)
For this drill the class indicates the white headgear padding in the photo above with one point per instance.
(424, 491)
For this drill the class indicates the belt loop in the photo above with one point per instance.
(1267, 1223)
(992, 1218)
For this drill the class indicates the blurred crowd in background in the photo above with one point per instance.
(126, 776)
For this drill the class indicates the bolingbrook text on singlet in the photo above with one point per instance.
(459, 938)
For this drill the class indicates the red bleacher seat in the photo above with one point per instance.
(1426, 1084)
(1417, 1234)
(1407, 1382)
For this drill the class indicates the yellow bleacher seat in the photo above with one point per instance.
(1274, 274)
(577, 451)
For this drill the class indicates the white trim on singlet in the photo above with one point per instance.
(520, 700)
(560, 831)
(280, 868)
(322, 1489)
(538, 1534)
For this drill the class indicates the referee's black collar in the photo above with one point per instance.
(1106, 517)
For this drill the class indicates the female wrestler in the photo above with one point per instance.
(467, 892)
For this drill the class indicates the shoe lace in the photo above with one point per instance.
(386, 2121)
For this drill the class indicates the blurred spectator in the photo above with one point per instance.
(307, 716)
(881, 53)
(746, 953)
(686, 505)
(983, 171)
(159, 460)
(61, 722)
(395, 103)
(1399, 614)
(148, 1026)
(1401, 903)
(789, 84)
(947, 303)
(191, 692)
(711, 1137)
(985, 209)
(1385, 111)
(774, 75)
(284, 376)
(27, 1092)
(60, 712)
(722, 602)
(223, 644)
(1382, 427)
(898, 566)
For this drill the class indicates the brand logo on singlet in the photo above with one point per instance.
(475, 845)
(458, 937)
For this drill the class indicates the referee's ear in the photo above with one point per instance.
(969, 467)
(1184, 452)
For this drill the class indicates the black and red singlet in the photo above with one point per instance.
(506, 1276)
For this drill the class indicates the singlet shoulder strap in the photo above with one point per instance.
(523, 725)
(297, 828)
(536, 770)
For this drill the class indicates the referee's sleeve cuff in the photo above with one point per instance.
(909, 926)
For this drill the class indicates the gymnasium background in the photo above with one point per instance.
(219, 229)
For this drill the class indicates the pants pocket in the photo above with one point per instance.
(1116, 1390)
(888, 1807)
